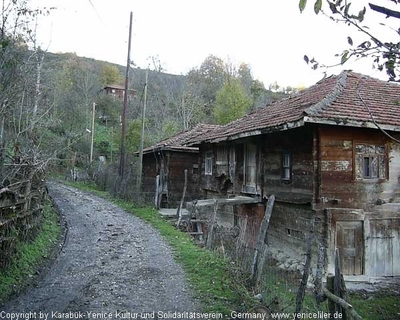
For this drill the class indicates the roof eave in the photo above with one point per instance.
(351, 123)
(282, 127)
(172, 148)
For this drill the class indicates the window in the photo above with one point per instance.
(221, 161)
(250, 165)
(286, 166)
(208, 163)
(250, 169)
(195, 168)
(370, 162)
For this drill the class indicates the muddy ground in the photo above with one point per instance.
(111, 263)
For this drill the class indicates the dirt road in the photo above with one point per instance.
(112, 263)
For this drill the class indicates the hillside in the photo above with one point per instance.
(70, 84)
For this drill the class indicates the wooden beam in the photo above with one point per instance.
(346, 306)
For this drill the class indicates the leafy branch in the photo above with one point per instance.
(385, 54)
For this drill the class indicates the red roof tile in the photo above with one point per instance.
(347, 99)
(182, 140)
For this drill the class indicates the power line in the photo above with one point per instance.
(97, 13)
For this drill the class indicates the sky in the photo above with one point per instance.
(271, 36)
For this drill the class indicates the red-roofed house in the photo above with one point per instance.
(328, 152)
(168, 159)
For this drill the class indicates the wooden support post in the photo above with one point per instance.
(306, 272)
(261, 248)
(260, 266)
(157, 192)
(210, 228)
(179, 211)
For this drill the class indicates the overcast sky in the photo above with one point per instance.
(271, 36)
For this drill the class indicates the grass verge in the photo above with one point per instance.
(30, 256)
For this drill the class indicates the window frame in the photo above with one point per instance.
(222, 161)
(250, 160)
(286, 155)
(365, 172)
(250, 151)
(208, 163)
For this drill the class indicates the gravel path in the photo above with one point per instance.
(112, 263)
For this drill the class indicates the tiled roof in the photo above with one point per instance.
(347, 99)
(182, 140)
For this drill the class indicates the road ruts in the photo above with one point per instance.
(111, 262)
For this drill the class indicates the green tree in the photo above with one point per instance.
(110, 75)
(232, 102)
(108, 108)
(385, 52)
(208, 79)
(133, 136)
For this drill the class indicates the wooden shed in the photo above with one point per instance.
(331, 153)
(164, 164)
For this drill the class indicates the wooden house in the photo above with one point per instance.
(118, 91)
(330, 153)
(164, 164)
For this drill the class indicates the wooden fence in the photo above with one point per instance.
(20, 217)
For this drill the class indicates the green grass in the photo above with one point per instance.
(30, 256)
(378, 306)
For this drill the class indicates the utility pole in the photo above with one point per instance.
(92, 132)
(123, 117)
(139, 175)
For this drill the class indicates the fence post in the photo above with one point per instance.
(337, 284)
(211, 225)
(330, 286)
(320, 297)
(306, 271)
(261, 248)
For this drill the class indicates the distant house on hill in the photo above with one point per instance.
(331, 153)
(168, 159)
(117, 91)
